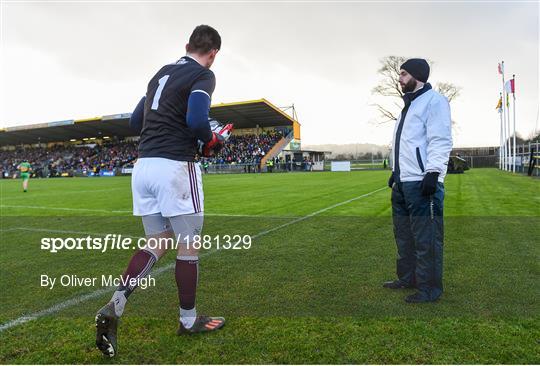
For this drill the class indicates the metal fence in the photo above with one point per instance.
(371, 164)
(526, 154)
(523, 159)
(255, 168)
(485, 161)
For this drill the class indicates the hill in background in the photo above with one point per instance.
(351, 151)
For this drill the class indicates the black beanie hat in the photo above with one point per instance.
(418, 68)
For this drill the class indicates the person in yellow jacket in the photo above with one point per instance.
(269, 165)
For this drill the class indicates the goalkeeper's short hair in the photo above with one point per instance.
(204, 39)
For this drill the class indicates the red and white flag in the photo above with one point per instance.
(501, 68)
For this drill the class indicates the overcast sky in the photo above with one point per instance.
(77, 60)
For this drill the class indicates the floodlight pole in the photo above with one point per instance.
(293, 112)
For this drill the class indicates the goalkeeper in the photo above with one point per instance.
(167, 184)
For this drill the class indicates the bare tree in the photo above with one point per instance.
(450, 91)
(389, 87)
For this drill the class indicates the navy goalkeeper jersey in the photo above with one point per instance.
(165, 133)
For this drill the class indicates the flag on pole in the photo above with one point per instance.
(501, 68)
(509, 86)
(499, 105)
(508, 101)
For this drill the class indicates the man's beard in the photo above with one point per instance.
(410, 86)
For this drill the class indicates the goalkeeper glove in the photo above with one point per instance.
(219, 138)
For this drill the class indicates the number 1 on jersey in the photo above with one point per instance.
(162, 82)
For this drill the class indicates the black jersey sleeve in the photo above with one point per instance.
(137, 117)
(206, 83)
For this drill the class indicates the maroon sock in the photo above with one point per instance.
(187, 273)
(139, 266)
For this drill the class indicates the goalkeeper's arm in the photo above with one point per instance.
(137, 117)
(197, 115)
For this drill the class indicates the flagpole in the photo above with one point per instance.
(501, 136)
(504, 136)
(504, 118)
(514, 110)
(509, 133)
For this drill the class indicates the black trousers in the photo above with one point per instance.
(419, 233)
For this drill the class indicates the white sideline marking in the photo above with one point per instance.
(316, 213)
(42, 230)
(68, 192)
(61, 208)
(71, 302)
(117, 211)
(82, 298)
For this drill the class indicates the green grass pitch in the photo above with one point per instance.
(307, 291)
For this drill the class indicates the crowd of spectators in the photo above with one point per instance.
(88, 159)
(247, 149)
(69, 159)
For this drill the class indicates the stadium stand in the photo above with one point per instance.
(245, 149)
(106, 146)
(69, 160)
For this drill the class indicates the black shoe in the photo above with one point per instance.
(396, 284)
(202, 324)
(106, 327)
(418, 298)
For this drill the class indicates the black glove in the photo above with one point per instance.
(391, 180)
(429, 183)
